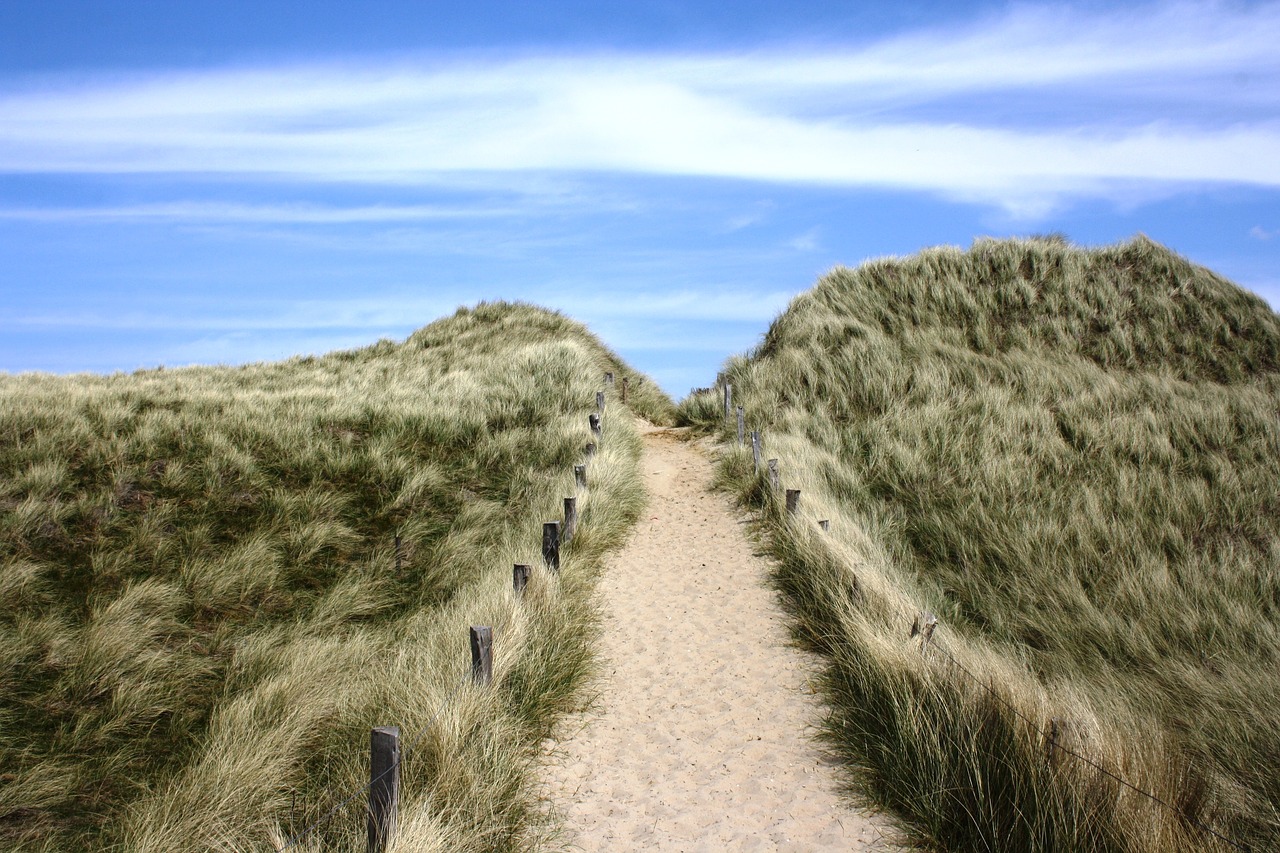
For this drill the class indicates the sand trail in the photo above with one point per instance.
(700, 740)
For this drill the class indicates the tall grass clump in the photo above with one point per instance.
(1071, 457)
(202, 610)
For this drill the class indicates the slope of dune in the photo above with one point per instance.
(213, 581)
(1070, 457)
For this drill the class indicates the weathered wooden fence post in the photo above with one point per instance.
(570, 520)
(551, 545)
(600, 401)
(793, 501)
(625, 383)
(755, 449)
(384, 786)
(520, 577)
(742, 425)
(775, 478)
(924, 626)
(825, 524)
(481, 654)
(580, 476)
(594, 420)
(608, 377)
(728, 400)
(590, 449)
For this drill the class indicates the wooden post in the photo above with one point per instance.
(625, 383)
(793, 501)
(590, 449)
(755, 449)
(600, 401)
(580, 476)
(923, 627)
(594, 420)
(775, 479)
(825, 524)
(551, 545)
(384, 786)
(1058, 730)
(742, 425)
(570, 519)
(608, 377)
(728, 400)
(520, 577)
(481, 654)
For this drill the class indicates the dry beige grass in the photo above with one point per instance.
(200, 612)
(1070, 456)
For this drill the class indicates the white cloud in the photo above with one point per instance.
(1259, 233)
(383, 313)
(827, 116)
(378, 313)
(757, 214)
(806, 242)
(212, 212)
(240, 347)
(725, 306)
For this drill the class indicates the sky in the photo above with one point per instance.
(226, 182)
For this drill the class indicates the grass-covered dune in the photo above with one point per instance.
(200, 610)
(1072, 457)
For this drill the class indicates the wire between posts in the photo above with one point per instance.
(1054, 743)
(409, 745)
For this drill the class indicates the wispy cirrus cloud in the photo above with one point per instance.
(406, 311)
(283, 214)
(1144, 101)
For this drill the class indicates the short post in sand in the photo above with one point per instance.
(594, 420)
(570, 520)
(775, 478)
(742, 425)
(580, 476)
(600, 401)
(481, 654)
(608, 377)
(793, 501)
(384, 786)
(728, 400)
(590, 450)
(923, 627)
(520, 577)
(551, 545)
(625, 382)
(756, 449)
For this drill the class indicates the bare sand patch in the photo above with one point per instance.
(700, 740)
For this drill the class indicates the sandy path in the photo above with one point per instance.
(699, 741)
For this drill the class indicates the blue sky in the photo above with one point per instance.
(227, 182)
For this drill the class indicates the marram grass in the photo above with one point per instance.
(1072, 457)
(200, 612)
